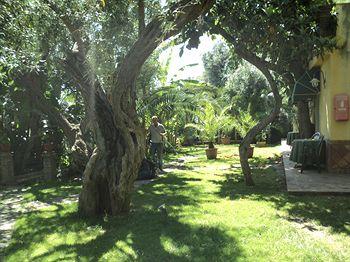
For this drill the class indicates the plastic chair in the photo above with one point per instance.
(316, 136)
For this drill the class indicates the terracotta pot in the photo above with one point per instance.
(48, 147)
(211, 153)
(5, 148)
(250, 152)
(261, 143)
(226, 140)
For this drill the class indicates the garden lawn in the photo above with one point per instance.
(210, 216)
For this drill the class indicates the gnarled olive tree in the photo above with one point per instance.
(118, 134)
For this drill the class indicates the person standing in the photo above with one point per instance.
(157, 134)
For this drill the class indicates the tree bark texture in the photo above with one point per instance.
(304, 121)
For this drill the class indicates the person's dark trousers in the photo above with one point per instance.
(157, 148)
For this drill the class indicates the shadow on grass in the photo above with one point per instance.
(146, 233)
(328, 210)
(48, 192)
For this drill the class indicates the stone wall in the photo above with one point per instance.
(7, 175)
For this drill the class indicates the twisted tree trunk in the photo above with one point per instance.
(263, 66)
(248, 139)
(111, 171)
(113, 167)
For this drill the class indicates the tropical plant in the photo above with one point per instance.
(243, 122)
(210, 122)
(175, 105)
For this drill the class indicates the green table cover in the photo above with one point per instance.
(291, 136)
(306, 150)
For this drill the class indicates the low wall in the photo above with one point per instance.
(7, 175)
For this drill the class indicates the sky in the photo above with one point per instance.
(193, 56)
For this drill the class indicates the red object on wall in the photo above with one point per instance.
(341, 107)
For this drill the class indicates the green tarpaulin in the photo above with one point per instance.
(308, 86)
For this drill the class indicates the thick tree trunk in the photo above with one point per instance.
(304, 121)
(113, 167)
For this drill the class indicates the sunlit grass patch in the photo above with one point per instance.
(211, 216)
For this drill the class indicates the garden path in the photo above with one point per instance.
(13, 205)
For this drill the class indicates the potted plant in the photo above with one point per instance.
(226, 140)
(209, 124)
(226, 129)
(243, 123)
(5, 145)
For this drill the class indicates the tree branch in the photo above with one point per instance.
(141, 14)
(72, 27)
(241, 50)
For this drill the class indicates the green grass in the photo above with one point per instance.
(212, 216)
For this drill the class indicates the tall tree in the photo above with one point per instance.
(219, 63)
(119, 137)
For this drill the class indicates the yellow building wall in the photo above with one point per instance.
(335, 79)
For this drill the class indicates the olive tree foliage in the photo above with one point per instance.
(219, 63)
(247, 90)
(36, 46)
(27, 36)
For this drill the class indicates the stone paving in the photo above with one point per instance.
(10, 209)
(310, 181)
